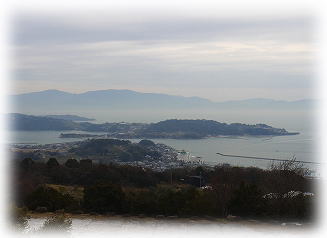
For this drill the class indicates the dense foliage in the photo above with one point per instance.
(133, 190)
(51, 199)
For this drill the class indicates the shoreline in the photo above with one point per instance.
(95, 136)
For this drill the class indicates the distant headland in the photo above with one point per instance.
(173, 128)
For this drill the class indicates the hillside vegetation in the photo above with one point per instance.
(278, 193)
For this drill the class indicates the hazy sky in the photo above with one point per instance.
(219, 58)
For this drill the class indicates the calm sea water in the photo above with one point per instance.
(301, 146)
(280, 147)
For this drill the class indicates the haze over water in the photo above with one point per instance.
(213, 54)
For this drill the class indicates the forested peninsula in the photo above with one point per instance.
(173, 128)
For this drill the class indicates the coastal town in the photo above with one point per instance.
(169, 157)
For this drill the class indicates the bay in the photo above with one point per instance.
(301, 146)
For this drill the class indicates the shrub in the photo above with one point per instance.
(247, 201)
(50, 198)
(104, 198)
(140, 201)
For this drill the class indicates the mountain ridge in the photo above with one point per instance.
(117, 101)
(153, 93)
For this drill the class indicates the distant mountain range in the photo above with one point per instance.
(55, 101)
(70, 117)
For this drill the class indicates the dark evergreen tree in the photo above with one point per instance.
(72, 163)
(52, 162)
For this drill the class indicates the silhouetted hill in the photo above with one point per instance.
(123, 150)
(35, 123)
(178, 129)
(203, 128)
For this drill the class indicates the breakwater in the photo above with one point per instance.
(271, 159)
